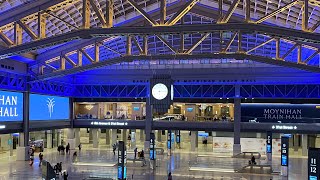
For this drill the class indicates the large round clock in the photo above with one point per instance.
(159, 91)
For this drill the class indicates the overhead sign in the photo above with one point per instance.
(97, 123)
(284, 151)
(284, 127)
(11, 106)
(313, 164)
(44, 107)
(284, 113)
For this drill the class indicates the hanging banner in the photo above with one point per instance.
(11, 106)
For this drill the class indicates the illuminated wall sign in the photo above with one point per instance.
(269, 142)
(11, 106)
(96, 123)
(284, 113)
(2, 126)
(284, 127)
(44, 107)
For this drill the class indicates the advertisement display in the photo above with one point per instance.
(280, 113)
(284, 151)
(44, 107)
(122, 161)
(11, 106)
(313, 163)
(269, 142)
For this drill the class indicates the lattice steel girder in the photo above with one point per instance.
(237, 56)
(294, 35)
(53, 88)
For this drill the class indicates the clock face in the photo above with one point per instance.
(159, 91)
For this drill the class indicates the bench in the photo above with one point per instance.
(159, 151)
(257, 155)
(256, 168)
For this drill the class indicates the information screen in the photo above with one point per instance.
(11, 106)
(269, 142)
(314, 163)
(284, 151)
(44, 107)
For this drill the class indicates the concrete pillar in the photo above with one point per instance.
(90, 136)
(197, 139)
(114, 136)
(49, 139)
(133, 138)
(71, 139)
(148, 123)
(77, 136)
(305, 145)
(296, 142)
(193, 139)
(236, 128)
(58, 137)
(141, 135)
(23, 149)
(95, 138)
(258, 135)
(108, 137)
(124, 136)
(114, 111)
(159, 137)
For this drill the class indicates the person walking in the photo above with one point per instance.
(80, 146)
(65, 175)
(40, 159)
(68, 149)
(114, 149)
(31, 156)
(135, 152)
(143, 159)
(169, 176)
(74, 157)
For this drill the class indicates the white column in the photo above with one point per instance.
(71, 139)
(133, 139)
(141, 135)
(114, 111)
(95, 138)
(304, 144)
(193, 139)
(159, 138)
(49, 139)
(108, 137)
(77, 136)
(124, 136)
(58, 137)
(114, 136)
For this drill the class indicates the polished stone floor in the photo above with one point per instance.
(99, 164)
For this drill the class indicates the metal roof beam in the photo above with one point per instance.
(287, 6)
(183, 11)
(230, 11)
(98, 13)
(143, 13)
(237, 56)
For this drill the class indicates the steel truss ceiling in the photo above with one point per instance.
(293, 39)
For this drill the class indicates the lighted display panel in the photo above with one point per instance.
(11, 106)
(44, 107)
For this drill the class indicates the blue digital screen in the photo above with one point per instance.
(284, 160)
(172, 137)
(169, 145)
(269, 150)
(136, 108)
(44, 107)
(189, 109)
(122, 175)
(203, 134)
(11, 106)
(313, 178)
(152, 154)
